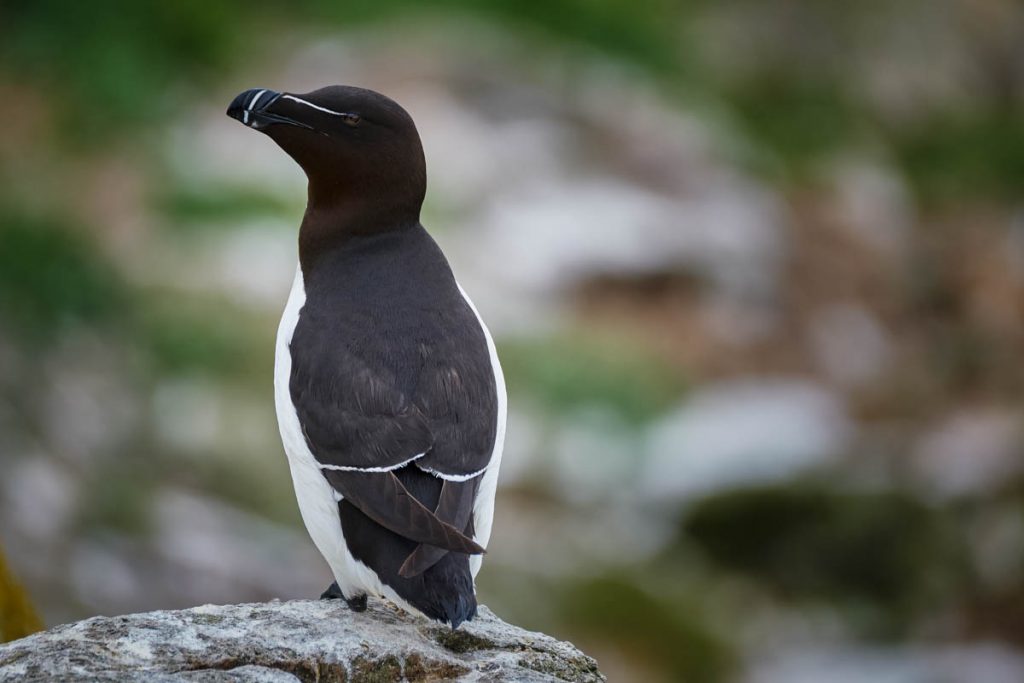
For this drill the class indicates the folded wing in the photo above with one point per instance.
(373, 398)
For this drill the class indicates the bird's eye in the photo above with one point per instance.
(350, 119)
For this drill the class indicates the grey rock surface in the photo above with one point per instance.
(280, 642)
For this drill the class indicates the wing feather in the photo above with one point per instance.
(382, 497)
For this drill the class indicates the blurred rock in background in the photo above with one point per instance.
(755, 271)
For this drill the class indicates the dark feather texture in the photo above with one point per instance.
(382, 497)
(390, 362)
(391, 371)
(455, 508)
(445, 590)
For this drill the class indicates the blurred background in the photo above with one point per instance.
(755, 271)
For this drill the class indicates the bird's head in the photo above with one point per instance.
(359, 149)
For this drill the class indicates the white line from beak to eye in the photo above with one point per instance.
(314, 106)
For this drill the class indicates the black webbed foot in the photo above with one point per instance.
(332, 593)
(356, 604)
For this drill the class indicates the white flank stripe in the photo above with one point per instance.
(453, 477)
(293, 98)
(483, 506)
(387, 468)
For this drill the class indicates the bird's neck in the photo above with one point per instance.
(333, 221)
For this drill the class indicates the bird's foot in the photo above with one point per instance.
(332, 593)
(356, 604)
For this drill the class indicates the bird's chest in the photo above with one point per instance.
(287, 417)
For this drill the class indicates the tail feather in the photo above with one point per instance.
(455, 507)
(385, 500)
(445, 591)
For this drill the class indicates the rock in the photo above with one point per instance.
(291, 641)
(971, 452)
(741, 433)
(849, 344)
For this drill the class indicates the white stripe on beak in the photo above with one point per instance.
(255, 99)
(252, 103)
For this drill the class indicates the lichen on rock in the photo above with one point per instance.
(301, 640)
(17, 617)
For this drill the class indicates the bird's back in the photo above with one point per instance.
(383, 317)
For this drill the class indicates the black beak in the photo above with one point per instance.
(252, 108)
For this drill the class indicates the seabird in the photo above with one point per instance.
(389, 394)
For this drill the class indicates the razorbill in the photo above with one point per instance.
(390, 398)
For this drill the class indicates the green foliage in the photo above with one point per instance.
(799, 120)
(950, 157)
(52, 278)
(640, 32)
(190, 208)
(885, 556)
(569, 373)
(258, 487)
(115, 64)
(665, 631)
(112, 63)
(119, 492)
(181, 338)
